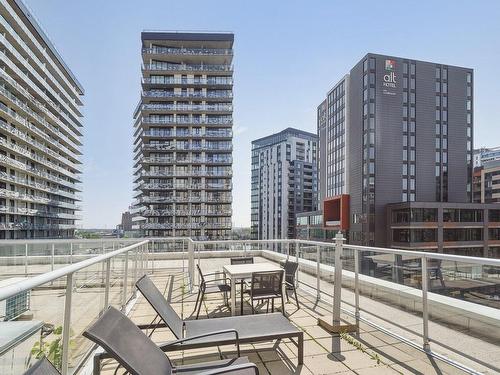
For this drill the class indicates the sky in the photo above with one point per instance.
(288, 54)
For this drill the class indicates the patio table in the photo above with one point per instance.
(244, 271)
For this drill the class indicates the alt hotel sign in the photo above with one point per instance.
(389, 81)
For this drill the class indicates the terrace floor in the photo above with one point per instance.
(369, 352)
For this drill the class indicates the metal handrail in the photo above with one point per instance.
(33, 282)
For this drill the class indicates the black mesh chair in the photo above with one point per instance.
(42, 367)
(242, 260)
(266, 286)
(210, 287)
(290, 271)
(137, 354)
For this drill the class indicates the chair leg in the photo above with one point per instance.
(283, 305)
(253, 308)
(286, 292)
(296, 299)
(197, 299)
(267, 306)
(241, 297)
(199, 306)
(272, 305)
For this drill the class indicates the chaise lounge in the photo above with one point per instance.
(250, 328)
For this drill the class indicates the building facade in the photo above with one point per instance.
(40, 132)
(469, 229)
(183, 136)
(387, 124)
(486, 187)
(284, 182)
(486, 154)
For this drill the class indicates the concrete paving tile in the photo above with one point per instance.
(355, 359)
(325, 364)
(335, 345)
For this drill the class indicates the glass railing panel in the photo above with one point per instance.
(86, 306)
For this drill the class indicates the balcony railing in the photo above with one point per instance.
(184, 147)
(163, 160)
(457, 294)
(158, 186)
(187, 107)
(182, 120)
(170, 173)
(188, 134)
(190, 67)
(27, 182)
(40, 213)
(187, 51)
(182, 94)
(30, 226)
(222, 81)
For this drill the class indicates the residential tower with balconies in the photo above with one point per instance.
(40, 131)
(183, 136)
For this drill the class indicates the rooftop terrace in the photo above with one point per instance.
(444, 324)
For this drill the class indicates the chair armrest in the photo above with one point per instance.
(231, 369)
(164, 347)
(214, 280)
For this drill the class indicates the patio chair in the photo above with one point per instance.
(242, 260)
(250, 328)
(137, 354)
(290, 271)
(42, 367)
(210, 287)
(266, 286)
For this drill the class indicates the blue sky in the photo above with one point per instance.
(288, 54)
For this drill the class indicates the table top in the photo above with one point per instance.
(246, 270)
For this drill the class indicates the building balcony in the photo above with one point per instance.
(31, 226)
(226, 82)
(188, 51)
(187, 108)
(192, 212)
(385, 316)
(156, 94)
(184, 147)
(158, 186)
(187, 68)
(187, 134)
(165, 160)
(187, 121)
(40, 213)
(182, 173)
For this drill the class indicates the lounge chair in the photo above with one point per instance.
(136, 353)
(42, 367)
(250, 328)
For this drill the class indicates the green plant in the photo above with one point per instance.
(51, 349)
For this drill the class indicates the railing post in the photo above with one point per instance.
(337, 291)
(71, 253)
(52, 257)
(136, 256)
(107, 284)
(318, 273)
(190, 263)
(297, 247)
(147, 257)
(26, 260)
(103, 266)
(66, 324)
(425, 308)
(125, 282)
(356, 285)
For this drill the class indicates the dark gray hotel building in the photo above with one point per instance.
(395, 133)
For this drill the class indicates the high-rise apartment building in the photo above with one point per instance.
(284, 182)
(40, 131)
(183, 135)
(397, 130)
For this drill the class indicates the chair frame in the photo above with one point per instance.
(203, 287)
(290, 280)
(279, 292)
